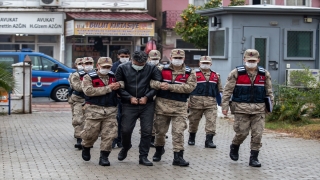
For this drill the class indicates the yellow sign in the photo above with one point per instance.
(110, 28)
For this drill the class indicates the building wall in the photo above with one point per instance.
(174, 5)
(236, 24)
(315, 3)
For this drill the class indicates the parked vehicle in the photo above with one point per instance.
(49, 76)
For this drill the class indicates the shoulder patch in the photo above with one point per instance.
(111, 73)
(261, 70)
(241, 69)
(93, 73)
(82, 73)
(188, 69)
(166, 66)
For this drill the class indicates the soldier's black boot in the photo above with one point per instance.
(114, 142)
(78, 145)
(234, 152)
(192, 138)
(152, 141)
(144, 161)
(178, 159)
(159, 152)
(123, 154)
(209, 143)
(104, 161)
(86, 153)
(119, 144)
(254, 162)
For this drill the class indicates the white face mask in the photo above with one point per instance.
(154, 62)
(88, 67)
(205, 66)
(104, 71)
(80, 67)
(177, 62)
(251, 65)
(124, 60)
(137, 68)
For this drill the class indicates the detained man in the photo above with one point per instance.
(137, 102)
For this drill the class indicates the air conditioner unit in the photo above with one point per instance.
(291, 82)
(50, 3)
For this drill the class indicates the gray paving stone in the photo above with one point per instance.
(40, 146)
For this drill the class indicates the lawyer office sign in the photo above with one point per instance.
(31, 23)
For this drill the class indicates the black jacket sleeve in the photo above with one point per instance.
(121, 77)
(156, 75)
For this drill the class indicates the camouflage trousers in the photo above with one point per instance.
(99, 120)
(77, 114)
(243, 123)
(195, 116)
(179, 125)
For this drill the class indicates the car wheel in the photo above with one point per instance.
(60, 94)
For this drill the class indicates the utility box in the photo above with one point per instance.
(21, 95)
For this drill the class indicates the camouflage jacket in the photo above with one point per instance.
(171, 107)
(205, 102)
(89, 90)
(245, 108)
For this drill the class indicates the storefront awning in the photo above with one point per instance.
(112, 16)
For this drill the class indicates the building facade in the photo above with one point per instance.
(68, 29)
(286, 37)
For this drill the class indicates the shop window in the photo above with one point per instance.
(218, 43)
(47, 39)
(25, 39)
(76, 39)
(9, 47)
(31, 46)
(121, 38)
(5, 38)
(300, 45)
(104, 40)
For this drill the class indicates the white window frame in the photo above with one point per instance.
(299, 58)
(272, 2)
(308, 3)
(226, 35)
(192, 1)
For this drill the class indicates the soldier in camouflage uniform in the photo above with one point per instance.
(76, 100)
(171, 105)
(248, 85)
(100, 110)
(203, 102)
(154, 59)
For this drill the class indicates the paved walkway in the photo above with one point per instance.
(40, 146)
